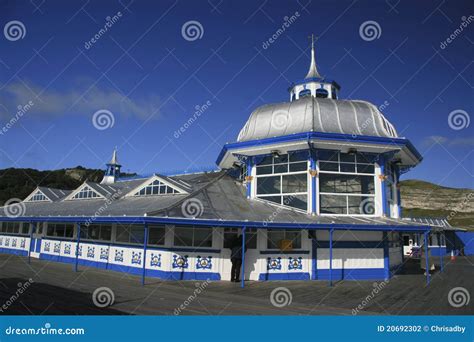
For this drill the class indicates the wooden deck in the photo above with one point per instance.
(58, 290)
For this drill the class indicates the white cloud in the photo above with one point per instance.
(83, 100)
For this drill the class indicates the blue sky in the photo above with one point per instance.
(144, 72)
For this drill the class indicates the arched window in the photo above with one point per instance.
(322, 93)
(304, 93)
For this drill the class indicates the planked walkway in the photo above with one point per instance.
(58, 290)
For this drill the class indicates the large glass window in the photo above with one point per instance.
(60, 230)
(101, 232)
(156, 188)
(274, 236)
(193, 237)
(156, 235)
(14, 227)
(130, 234)
(38, 197)
(283, 179)
(346, 183)
(85, 192)
(231, 234)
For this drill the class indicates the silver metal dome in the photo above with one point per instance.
(311, 114)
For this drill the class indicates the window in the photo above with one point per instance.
(156, 235)
(156, 188)
(274, 236)
(390, 189)
(346, 183)
(322, 93)
(11, 227)
(283, 180)
(86, 192)
(193, 237)
(25, 228)
(101, 232)
(60, 230)
(305, 93)
(130, 234)
(230, 234)
(38, 197)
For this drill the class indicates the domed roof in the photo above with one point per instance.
(310, 114)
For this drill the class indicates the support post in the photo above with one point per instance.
(242, 275)
(427, 263)
(330, 256)
(386, 260)
(249, 176)
(145, 243)
(78, 240)
(313, 184)
(441, 266)
(382, 183)
(32, 230)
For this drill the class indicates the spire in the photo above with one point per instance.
(114, 160)
(313, 70)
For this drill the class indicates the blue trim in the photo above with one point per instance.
(78, 226)
(221, 223)
(382, 163)
(313, 184)
(395, 142)
(277, 251)
(32, 229)
(284, 276)
(249, 174)
(386, 256)
(352, 274)
(136, 270)
(13, 251)
(350, 244)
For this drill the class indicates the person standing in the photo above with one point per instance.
(236, 259)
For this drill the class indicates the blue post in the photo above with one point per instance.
(386, 260)
(399, 200)
(145, 243)
(242, 279)
(330, 256)
(32, 229)
(382, 182)
(78, 225)
(427, 259)
(249, 174)
(313, 184)
(441, 266)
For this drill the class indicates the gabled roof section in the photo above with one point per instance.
(37, 196)
(160, 185)
(89, 190)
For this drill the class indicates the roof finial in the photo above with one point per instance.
(313, 70)
(114, 160)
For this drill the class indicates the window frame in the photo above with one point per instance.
(56, 224)
(285, 232)
(193, 243)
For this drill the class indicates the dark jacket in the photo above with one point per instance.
(236, 249)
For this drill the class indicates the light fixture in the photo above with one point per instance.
(276, 154)
(352, 151)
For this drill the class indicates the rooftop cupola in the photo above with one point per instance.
(112, 172)
(314, 84)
